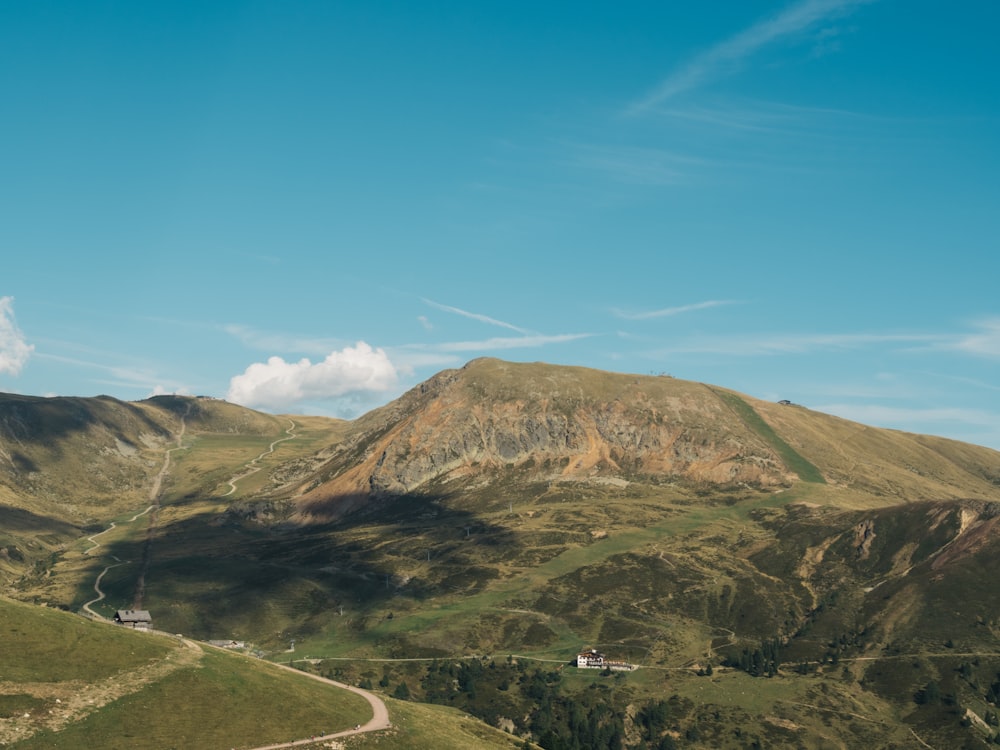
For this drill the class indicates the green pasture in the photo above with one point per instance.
(223, 701)
(46, 645)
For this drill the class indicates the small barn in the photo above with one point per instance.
(138, 619)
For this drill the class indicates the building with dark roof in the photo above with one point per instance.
(138, 619)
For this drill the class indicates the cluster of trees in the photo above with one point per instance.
(993, 693)
(533, 702)
(654, 719)
(760, 661)
(536, 703)
(529, 698)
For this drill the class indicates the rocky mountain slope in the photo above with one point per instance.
(573, 424)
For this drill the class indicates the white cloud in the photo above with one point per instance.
(277, 384)
(14, 350)
(728, 54)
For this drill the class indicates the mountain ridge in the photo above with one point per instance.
(578, 423)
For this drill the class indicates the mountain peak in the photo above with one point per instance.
(549, 423)
(559, 423)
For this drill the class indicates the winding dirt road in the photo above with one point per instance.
(251, 467)
(97, 583)
(379, 720)
(100, 594)
(154, 517)
(93, 539)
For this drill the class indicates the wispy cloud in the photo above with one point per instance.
(271, 341)
(780, 118)
(916, 418)
(500, 343)
(255, 338)
(967, 381)
(134, 377)
(636, 165)
(772, 344)
(475, 316)
(667, 312)
(727, 55)
(408, 359)
(14, 349)
(734, 118)
(984, 342)
(977, 426)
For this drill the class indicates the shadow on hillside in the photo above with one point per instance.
(212, 573)
(336, 507)
(17, 520)
(36, 419)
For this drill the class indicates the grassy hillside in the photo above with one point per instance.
(830, 574)
(71, 683)
(206, 457)
(795, 462)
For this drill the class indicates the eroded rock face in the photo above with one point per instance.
(864, 535)
(582, 442)
(456, 426)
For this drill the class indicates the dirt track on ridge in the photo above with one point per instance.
(379, 720)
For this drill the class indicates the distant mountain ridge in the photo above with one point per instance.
(69, 464)
(546, 422)
(99, 446)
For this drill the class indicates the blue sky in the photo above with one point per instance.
(313, 206)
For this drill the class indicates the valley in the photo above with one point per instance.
(779, 576)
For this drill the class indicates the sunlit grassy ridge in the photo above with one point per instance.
(84, 684)
(805, 470)
(220, 703)
(45, 645)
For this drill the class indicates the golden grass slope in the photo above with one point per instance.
(877, 466)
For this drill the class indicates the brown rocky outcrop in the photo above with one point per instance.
(551, 422)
